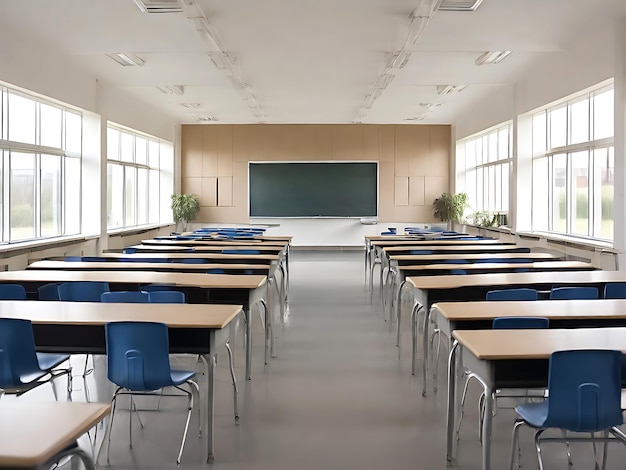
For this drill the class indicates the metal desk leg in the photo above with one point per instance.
(209, 363)
(451, 418)
(425, 350)
(248, 316)
(416, 308)
(487, 424)
(399, 311)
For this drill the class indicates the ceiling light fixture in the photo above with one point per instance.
(398, 59)
(191, 105)
(430, 106)
(171, 89)
(491, 57)
(127, 59)
(207, 118)
(384, 80)
(459, 5)
(159, 6)
(447, 89)
(417, 117)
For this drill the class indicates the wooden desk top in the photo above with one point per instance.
(441, 256)
(536, 266)
(223, 244)
(503, 279)
(417, 241)
(121, 265)
(32, 433)
(214, 316)
(225, 281)
(601, 309)
(390, 249)
(191, 254)
(209, 247)
(537, 344)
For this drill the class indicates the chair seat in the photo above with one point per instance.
(179, 377)
(51, 360)
(534, 414)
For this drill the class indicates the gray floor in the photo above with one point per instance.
(338, 396)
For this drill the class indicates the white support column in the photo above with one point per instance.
(619, 208)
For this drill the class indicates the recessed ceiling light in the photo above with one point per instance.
(171, 89)
(430, 106)
(126, 59)
(191, 105)
(459, 5)
(417, 117)
(398, 59)
(207, 118)
(159, 6)
(491, 57)
(447, 89)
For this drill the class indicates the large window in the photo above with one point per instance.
(573, 166)
(40, 150)
(136, 174)
(485, 165)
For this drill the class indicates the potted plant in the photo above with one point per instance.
(450, 207)
(185, 207)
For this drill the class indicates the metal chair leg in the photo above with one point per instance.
(234, 379)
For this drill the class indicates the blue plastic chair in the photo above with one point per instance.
(82, 291)
(12, 292)
(139, 364)
(240, 252)
(166, 297)
(48, 291)
(616, 290)
(573, 293)
(158, 287)
(21, 367)
(512, 294)
(584, 394)
(135, 297)
(520, 323)
(216, 271)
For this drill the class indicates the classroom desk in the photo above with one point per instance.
(473, 268)
(372, 242)
(212, 247)
(242, 269)
(515, 359)
(78, 328)
(37, 435)
(430, 289)
(238, 289)
(213, 242)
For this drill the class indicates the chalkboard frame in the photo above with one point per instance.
(373, 189)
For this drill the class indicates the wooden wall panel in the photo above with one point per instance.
(348, 142)
(439, 151)
(416, 190)
(419, 154)
(401, 191)
(258, 143)
(404, 142)
(386, 191)
(371, 142)
(434, 186)
(225, 150)
(324, 142)
(225, 191)
(208, 194)
(241, 143)
(191, 148)
(387, 143)
(209, 151)
(192, 186)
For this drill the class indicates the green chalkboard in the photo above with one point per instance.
(314, 189)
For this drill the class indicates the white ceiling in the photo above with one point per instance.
(308, 61)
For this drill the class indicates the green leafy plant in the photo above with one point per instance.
(450, 207)
(483, 219)
(185, 207)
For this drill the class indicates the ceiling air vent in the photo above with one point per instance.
(159, 6)
(459, 5)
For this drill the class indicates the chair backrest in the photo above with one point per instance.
(166, 297)
(17, 351)
(12, 292)
(454, 261)
(585, 390)
(48, 291)
(130, 250)
(135, 297)
(240, 252)
(192, 260)
(158, 287)
(574, 293)
(82, 291)
(138, 355)
(615, 290)
(457, 271)
(421, 252)
(93, 259)
(512, 294)
(216, 271)
(520, 323)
